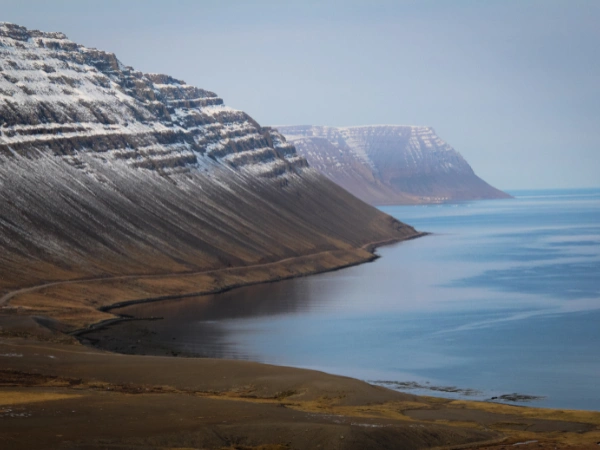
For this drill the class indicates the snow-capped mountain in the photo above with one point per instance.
(390, 164)
(106, 170)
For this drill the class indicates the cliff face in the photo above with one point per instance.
(390, 164)
(105, 170)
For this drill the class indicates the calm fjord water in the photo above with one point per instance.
(503, 298)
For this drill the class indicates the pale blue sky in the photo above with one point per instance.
(512, 85)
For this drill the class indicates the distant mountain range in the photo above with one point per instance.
(105, 170)
(390, 164)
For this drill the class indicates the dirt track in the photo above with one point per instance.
(55, 393)
(77, 304)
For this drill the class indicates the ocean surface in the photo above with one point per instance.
(502, 298)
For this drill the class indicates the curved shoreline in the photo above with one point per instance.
(371, 247)
(245, 401)
(297, 266)
(251, 400)
(368, 247)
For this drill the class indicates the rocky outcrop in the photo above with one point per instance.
(390, 164)
(64, 99)
(105, 170)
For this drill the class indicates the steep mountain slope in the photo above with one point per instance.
(390, 164)
(108, 171)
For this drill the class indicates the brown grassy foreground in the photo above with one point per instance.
(78, 304)
(55, 393)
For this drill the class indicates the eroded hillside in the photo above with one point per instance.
(108, 171)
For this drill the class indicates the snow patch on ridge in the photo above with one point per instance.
(61, 97)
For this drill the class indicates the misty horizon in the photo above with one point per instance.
(512, 87)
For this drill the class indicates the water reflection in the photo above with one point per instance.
(504, 298)
(196, 326)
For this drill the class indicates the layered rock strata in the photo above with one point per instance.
(106, 171)
(390, 164)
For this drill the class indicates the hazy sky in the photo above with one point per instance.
(514, 86)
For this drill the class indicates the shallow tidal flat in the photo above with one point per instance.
(501, 303)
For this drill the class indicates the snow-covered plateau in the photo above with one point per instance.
(390, 164)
